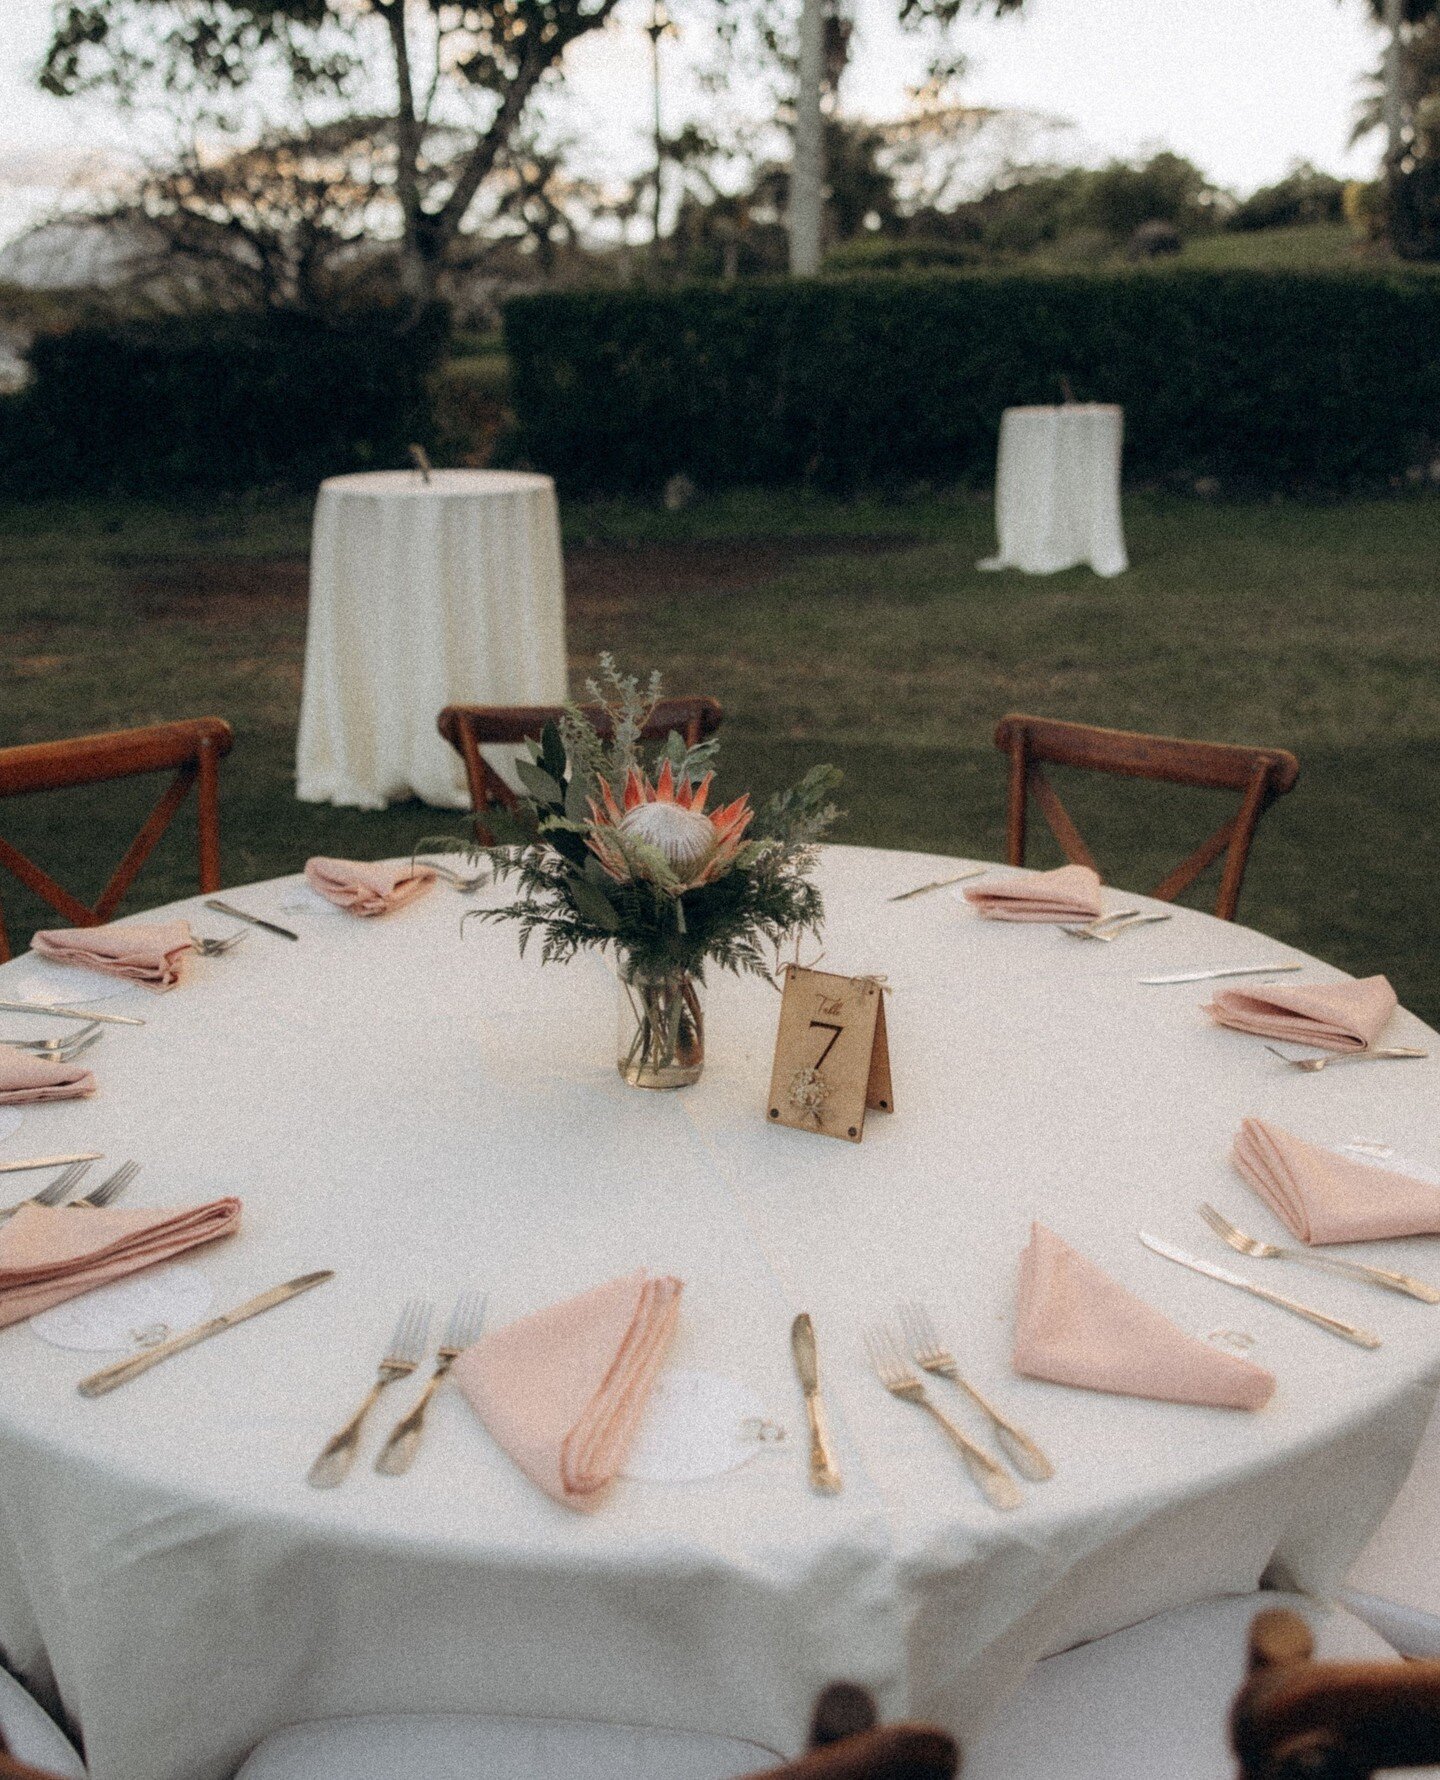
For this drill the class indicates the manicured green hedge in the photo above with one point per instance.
(218, 401)
(1260, 380)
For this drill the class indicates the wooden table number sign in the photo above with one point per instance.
(831, 1055)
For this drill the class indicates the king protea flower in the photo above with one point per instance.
(670, 820)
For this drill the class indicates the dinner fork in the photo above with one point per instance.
(457, 880)
(42, 1045)
(1273, 1251)
(1108, 926)
(924, 1343)
(62, 1053)
(1312, 1064)
(215, 948)
(407, 1345)
(51, 1195)
(994, 1480)
(398, 1452)
(110, 1188)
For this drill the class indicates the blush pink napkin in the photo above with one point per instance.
(1076, 1325)
(1332, 1016)
(1070, 894)
(563, 1390)
(25, 1076)
(1323, 1197)
(145, 951)
(367, 889)
(51, 1253)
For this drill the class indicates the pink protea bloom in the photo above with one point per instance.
(670, 818)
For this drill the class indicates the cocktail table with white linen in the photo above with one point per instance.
(1057, 490)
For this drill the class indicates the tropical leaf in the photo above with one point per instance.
(539, 783)
(594, 904)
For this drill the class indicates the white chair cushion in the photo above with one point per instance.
(34, 1736)
(1151, 1701)
(464, 1746)
(1395, 1582)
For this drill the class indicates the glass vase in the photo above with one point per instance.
(662, 1029)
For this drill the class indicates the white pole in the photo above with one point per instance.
(807, 168)
(1394, 85)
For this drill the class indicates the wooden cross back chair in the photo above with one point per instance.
(468, 728)
(192, 750)
(1259, 775)
(1298, 1719)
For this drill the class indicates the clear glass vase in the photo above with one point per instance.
(662, 1029)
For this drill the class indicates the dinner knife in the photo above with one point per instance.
(228, 908)
(57, 1012)
(50, 1161)
(824, 1473)
(1234, 970)
(1361, 1337)
(123, 1371)
(978, 871)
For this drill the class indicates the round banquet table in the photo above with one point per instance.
(424, 1111)
(1057, 490)
(423, 594)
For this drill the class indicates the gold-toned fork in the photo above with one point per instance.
(1381, 1053)
(466, 1320)
(996, 1483)
(977, 871)
(920, 1337)
(1274, 1251)
(68, 1048)
(51, 1195)
(407, 1346)
(45, 1045)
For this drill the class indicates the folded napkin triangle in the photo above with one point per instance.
(1331, 1016)
(563, 1390)
(1323, 1197)
(1070, 894)
(26, 1076)
(367, 889)
(51, 1253)
(1075, 1325)
(144, 951)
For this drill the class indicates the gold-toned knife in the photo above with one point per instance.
(50, 1161)
(978, 871)
(123, 1371)
(824, 1473)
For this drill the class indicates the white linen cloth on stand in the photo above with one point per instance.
(427, 1112)
(1057, 490)
(423, 594)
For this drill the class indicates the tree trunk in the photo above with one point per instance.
(807, 171)
(1394, 85)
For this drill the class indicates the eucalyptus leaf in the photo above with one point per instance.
(538, 783)
(594, 904)
(577, 803)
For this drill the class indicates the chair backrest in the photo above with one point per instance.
(847, 1743)
(1259, 775)
(1296, 1719)
(468, 728)
(192, 750)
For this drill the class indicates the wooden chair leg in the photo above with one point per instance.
(208, 802)
(1015, 808)
(5, 952)
(1238, 853)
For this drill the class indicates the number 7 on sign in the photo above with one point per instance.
(835, 1031)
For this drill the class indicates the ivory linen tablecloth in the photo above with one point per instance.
(425, 1112)
(423, 594)
(1057, 490)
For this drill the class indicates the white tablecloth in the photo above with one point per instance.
(1057, 490)
(422, 595)
(426, 1112)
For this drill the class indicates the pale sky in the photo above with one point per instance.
(1242, 87)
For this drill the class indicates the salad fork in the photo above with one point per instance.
(110, 1188)
(215, 948)
(398, 1452)
(1311, 1065)
(45, 1045)
(1273, 1251)
(996, 1483)
(70, 1047)
(447, 873)
(1107, 926)
(407, 1345)
(51, 1195)
(924, 1343)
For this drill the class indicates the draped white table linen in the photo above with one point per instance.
(1057, 490)
(424, 1111)
(423, 594)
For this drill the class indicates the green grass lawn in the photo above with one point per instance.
(859, 633)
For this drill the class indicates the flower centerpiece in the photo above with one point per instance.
(611, 850)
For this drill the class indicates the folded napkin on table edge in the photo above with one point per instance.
(1322, 1197)
(149, 952)
(365, 889)
(1071, 893)
(26, 1076)
(1346, 1016)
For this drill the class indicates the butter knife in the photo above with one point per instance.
(1361, 1337)
(123, 1371)
(57, 1012)
(978, 871)
(1233, 970)
(824, 1474)
(228, 908)
(49, 1161)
